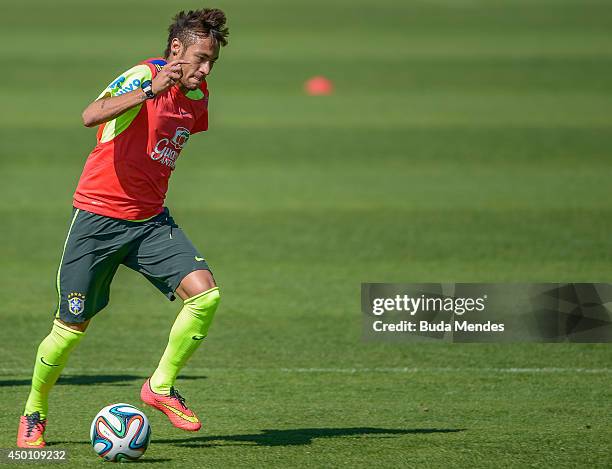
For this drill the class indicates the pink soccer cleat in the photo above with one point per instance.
(173, 406)
(31, 431)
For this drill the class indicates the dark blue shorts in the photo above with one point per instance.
(95, 247)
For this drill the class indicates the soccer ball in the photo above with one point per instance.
(120, 432)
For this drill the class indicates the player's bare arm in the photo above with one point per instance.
(108, 108)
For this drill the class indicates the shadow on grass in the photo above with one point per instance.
(292, 437)
(90, 379)
(298, 436)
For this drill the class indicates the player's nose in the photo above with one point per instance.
(206, 68)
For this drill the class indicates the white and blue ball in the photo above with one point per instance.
(120, 432)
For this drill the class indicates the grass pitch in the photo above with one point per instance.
(466, 141)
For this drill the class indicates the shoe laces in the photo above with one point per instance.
(174, 393)
(32, 420)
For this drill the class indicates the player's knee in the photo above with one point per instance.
(195, 283)
(205, 302)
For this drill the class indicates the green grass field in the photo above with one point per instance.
(467, 141)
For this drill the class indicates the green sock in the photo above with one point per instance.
(51, 357)
(190, 327)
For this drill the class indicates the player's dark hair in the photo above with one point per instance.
(207, 22)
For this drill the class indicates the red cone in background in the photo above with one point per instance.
(318, 86)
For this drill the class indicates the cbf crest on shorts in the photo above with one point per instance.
(76, 303)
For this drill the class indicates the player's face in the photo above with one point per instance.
(201, 56)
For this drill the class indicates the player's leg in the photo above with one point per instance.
(51, 357)
(83, 278)
(187, 333)
(171, 262)
(200, 297)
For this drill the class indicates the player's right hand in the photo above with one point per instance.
(169, 75)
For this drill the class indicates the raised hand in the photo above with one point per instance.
(168, 76)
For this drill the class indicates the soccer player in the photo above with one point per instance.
(145, 117)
